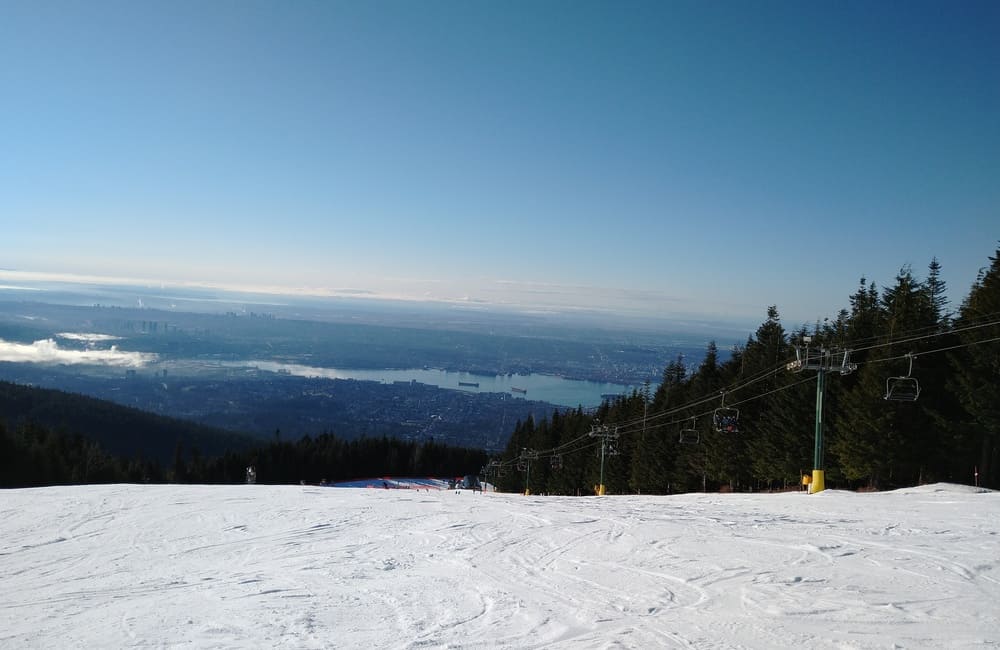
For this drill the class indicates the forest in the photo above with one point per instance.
(32, 455)
(911, 395)
(52, 437)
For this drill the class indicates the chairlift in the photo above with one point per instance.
(522, 465)
(726, 420)
(690, 436)
(903, 389)
(556, 461)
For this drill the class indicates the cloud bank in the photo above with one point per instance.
(47, 351)
(89, 338)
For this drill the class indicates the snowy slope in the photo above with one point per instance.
(309, 567)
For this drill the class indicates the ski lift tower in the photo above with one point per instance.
(609, 447)
(822, 360)
(524, 465)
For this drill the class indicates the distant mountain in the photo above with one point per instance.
(119, 430)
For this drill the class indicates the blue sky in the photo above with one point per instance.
(672, 159)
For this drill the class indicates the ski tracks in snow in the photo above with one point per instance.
(304, 567)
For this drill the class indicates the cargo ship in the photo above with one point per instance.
(522, 391)
(471, 384)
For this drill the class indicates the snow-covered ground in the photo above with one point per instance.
(307, 567)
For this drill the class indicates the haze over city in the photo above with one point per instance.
(675, 159)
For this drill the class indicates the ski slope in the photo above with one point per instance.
(256, 566)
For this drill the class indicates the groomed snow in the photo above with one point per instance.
(256, 566)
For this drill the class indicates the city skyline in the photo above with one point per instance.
(650, 159)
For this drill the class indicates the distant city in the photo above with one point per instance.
(308, 366)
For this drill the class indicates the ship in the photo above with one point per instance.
(515, 389)
(471, 384)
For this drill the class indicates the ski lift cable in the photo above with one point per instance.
(984, 320)
(852, 346)
(732, 388)
(707, 413)
(625, 428)
(927, 336)
(927, 352)
(629, 425)
(562, 449)
(589, 445)
(629, 429)
(548, 452)
(559, 448)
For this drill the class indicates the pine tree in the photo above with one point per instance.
(976, 376)
(762, 364)
(656, 448)
(885, 441)
(936, 292)
(712, 461)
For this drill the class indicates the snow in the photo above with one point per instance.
(396, 483)
(255, 566)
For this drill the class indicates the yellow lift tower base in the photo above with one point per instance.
(817, 484)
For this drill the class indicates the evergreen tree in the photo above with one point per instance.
(976, 375)
(937, 297)
(762, 367)
(885, 441)
(656, 447)
(711, 461)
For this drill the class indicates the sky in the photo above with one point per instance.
(262, 566)
(669, 159)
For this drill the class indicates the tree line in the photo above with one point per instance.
(118, 430)
(52, 437)
(668, 440)
(32, 455)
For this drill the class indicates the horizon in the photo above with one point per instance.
(649, 161)
(40, 285)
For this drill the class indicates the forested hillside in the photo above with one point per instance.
(118, 430)
(32, 455)
(50, 437)
(669, 441)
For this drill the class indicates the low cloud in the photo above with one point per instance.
(89, 338)
(47, 351)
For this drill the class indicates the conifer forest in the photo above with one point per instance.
(911, 395)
